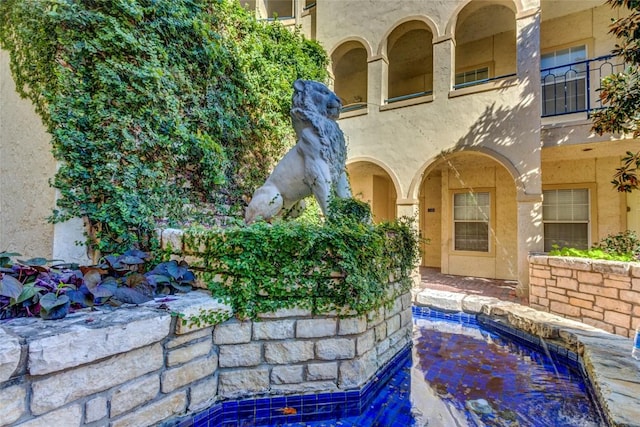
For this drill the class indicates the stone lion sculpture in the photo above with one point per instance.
(314, 166)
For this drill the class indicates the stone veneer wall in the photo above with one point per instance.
(604, 294)
(139, 366)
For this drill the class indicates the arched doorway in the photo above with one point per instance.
(372, 184)
(469, 216)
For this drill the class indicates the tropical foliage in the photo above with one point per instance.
(155, 108)
(51, 289)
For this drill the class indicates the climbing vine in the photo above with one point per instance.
(155, 109)
(343, 265)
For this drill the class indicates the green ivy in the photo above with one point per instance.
(626, 242)
(593, 253)
(155, 107)
(343, 266)
(624, 246)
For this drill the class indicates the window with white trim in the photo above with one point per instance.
(564, 80)
(471, 215)
(565, 214)
(472, 76)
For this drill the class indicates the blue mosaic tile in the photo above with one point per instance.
(384, 401)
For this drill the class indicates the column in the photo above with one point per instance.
(378, 79)
(530, 236)
(443, 65)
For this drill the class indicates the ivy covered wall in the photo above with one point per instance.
(155, 109)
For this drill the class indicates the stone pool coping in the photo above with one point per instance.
(614, 374)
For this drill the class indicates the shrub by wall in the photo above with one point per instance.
(155, 108)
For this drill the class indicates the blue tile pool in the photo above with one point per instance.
(462, 370)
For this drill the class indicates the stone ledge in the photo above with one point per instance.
(614, 374)
(586, 264)
(88, 336)
(193, 304)
(10, 351)
(143, 349)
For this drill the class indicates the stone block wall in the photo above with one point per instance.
(604, 294)
(139, 366)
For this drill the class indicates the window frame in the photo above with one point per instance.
(592, 209)
(490, 252)
(473, 68)
(565, 80)
(475, 71)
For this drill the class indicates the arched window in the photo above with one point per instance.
(485, 37)
(410, 55)
(350, 74)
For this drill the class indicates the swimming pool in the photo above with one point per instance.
(459, 372)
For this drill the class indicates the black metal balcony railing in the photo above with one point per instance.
(573, 88)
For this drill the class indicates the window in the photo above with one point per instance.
(471, 76)
(564, 81)
(565, 214)
(471, 214)
(283, 9)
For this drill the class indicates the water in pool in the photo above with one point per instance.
(458, 375)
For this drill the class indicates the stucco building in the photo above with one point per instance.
(471, 115)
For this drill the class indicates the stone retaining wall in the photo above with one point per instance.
(604, 294)
(139, 366)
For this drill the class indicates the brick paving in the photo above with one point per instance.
(502, 289)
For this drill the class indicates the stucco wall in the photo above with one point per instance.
(589, 26)
(608, 207)
(431, 220)
(497, 52)
(407, 138)
(26, 165)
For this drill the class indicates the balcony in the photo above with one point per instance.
(573, 88)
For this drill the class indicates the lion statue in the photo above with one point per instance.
(314, 166)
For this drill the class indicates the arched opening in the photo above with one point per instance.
(350, 74)
(410, 55)
(372, 184)
(469, 217)
(279, 8)
(486, 48)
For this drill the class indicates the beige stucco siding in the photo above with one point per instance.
(26, 165)
(590, 27)
(497, 52)
(608, 207)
